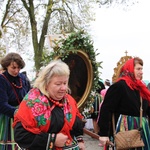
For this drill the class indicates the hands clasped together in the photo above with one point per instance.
(61, 139)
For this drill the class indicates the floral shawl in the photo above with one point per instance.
(35, 113)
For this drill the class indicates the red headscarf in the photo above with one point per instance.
(127, 74)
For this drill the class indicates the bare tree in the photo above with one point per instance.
(15, 25)
(26, 22)
(124, 4)
(27, 19)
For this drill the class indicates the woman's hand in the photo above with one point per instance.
(81, 145)
(103, 140)
(60, 140)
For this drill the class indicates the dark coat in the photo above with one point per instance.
(10, 96)
(120, 99)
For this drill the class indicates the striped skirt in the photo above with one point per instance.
(7, 134)
(131, 122)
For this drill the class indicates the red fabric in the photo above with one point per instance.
(26, 117)
(105, 147)
(68, 125)
(127, 74)
(30, 124)
(29, 121)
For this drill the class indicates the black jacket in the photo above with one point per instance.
(120, 99)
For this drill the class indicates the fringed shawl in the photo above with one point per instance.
(35, 111)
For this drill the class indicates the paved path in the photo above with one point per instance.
(91, 143)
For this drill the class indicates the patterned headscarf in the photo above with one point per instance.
(127, 74)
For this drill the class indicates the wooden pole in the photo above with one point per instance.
(96, 136)
(91, 134)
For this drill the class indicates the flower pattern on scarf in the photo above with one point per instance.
(67, 109)
(39, 106)
(41, 109)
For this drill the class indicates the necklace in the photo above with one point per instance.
(56, 103)
(19, 87)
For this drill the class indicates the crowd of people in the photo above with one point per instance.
(45, 116)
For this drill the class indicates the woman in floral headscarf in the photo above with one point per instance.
(48, 117)
(123, 99)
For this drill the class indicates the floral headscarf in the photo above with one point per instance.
(127, 74)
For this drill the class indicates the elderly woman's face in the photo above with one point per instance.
(13, 69)
(57, 87)
(138, 71)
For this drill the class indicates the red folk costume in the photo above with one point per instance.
(35, 113)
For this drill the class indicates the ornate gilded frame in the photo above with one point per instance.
(83, 56)
(117, 69)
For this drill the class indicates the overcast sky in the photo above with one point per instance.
(116, 31)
